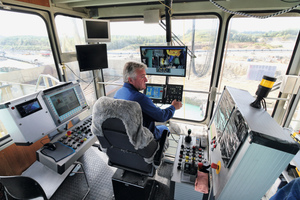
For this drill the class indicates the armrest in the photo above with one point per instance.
(159, 154)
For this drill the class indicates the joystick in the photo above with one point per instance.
(188, 138)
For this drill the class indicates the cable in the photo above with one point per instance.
(75, 73)
(254, 16)
(173, 137)
(294, 1)
(89, 83)
(170, 11)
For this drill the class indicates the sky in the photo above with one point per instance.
(17, 24)
(11, 24)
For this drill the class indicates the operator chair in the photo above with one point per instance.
(23, 187)
(131, 149)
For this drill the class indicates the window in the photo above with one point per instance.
(25, 57)
(295, 123)
(70, 33)
(127, 37)
(257, 47)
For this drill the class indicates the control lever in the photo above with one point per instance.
(188, 138)
(204, 167)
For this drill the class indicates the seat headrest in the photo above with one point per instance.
(129, 112)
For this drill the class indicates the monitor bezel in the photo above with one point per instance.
(153, 85)
(87, 39)
(166, 47)
(82, 66)
(62, 119)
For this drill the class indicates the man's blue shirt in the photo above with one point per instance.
(151, 113)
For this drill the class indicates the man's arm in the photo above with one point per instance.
(159, 115)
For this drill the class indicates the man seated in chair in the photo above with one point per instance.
(134, 77)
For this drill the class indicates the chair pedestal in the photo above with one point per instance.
(131, 186)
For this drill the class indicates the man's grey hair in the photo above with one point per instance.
(130, 70)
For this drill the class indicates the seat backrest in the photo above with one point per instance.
(118, 125)
(22, 187)
(122, 153)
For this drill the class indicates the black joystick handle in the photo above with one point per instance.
(188, 138)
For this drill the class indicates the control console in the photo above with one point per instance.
(164, 94)
(173, 92)
(191, 156)
(70, 146)
(78, 136)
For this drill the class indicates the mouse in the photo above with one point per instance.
(49, 146)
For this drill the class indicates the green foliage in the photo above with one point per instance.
(37, 43)
(128, 42)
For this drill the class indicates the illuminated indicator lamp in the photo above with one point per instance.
(262, 91)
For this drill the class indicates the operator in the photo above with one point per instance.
(134, 77)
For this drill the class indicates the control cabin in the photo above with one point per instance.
(214, 56)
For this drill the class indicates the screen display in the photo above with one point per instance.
(96, 30)
(65, 102)
(233, 136)
(230, 126)
(28, 107)
(92, 56)
(164, 60)
(154, 92)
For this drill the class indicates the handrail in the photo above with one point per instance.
(46, 78)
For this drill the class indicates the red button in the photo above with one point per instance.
(214, 166)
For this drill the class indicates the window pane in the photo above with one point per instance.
(26, 59)
(202, 33)
(70, 32)
(257, 47)
(25, 54)
(127, 37)
(295, 123)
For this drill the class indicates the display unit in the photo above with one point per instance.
(165, 60)
(26, 119)
(65, 102)
(164, 94)
(155, 92)
(96, 30)
(92, 56)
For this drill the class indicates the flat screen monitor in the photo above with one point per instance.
(230, 127)
(155, 92)
(165, 60)
(96, 30)
(92, 56)
(29, 107)
(65, 102)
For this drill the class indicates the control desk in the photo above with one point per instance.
(70, 146)
(190, 152)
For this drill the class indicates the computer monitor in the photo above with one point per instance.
(155, 92)
(96, 30)
(65, 102)
(165, 60)
(29, 107)
(230, 127)
(92, 56)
